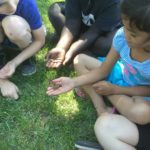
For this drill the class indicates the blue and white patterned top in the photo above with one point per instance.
(134, 72)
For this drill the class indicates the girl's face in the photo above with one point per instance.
(135, 37)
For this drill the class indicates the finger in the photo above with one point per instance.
(50, 89)
(95, 85)
(58, 64)
(54, 63)
(55, 92)
(57, 81)
(65, 61)
(50, 92)
(15, 96)
(50, 64)
(47, 56)
(17, 89)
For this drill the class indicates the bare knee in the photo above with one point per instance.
(102, 125)
(19, 33)
(79, 61)
(54, 10)
(110, 128)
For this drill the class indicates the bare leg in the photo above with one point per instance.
(83, 64)
(56, 16)
(135, 109)
(115, 132)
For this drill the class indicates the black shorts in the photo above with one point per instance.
(144, 137)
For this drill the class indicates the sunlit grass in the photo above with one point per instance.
(39, 122)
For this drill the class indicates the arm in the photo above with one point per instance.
(38, 41)
(66, 84)
(106, 88)
(99, 73)
(86, 40)
(106, 21)
(56, 56)
(133, 91)
(69, 33)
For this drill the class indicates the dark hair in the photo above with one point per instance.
(138, 13)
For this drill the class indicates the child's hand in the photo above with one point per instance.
(9, 89)
(105, 88)
(60, 85)
(55, 58)
(8, 70)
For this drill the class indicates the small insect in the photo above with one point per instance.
(53, 85)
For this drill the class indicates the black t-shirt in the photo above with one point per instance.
(103, 14)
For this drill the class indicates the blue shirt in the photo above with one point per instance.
(134, 72)
(28, 10)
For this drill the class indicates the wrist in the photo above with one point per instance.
(59, 48)
(15, 62)
(76, 82)
(117, 90)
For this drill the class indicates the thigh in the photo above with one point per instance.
(134, 108)
(18, 33)
(87, 61)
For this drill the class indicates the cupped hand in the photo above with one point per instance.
(9, 90)
(55, 57)
(8, 70)
(64, 84)
(105, 88)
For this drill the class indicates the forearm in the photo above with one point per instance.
(133, 91)
(27, 52)
(69, 34)
(90, 78)
(84, 42)
(65, 39)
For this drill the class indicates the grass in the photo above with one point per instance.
(39, 122)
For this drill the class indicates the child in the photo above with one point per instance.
(82, 25)
(128, 83)
(20, 27)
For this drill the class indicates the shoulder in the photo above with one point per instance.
(29, 11)
(119, 40)
(28, 4)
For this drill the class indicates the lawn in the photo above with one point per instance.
(39, 122)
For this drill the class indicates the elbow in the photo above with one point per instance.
(43, 41)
